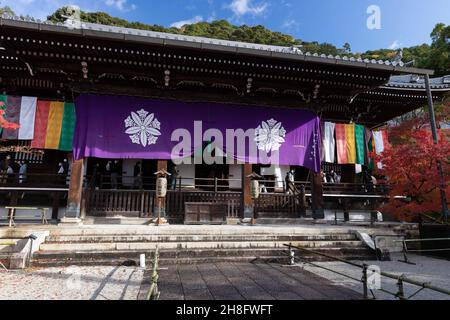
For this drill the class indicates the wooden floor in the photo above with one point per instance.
(247, 281)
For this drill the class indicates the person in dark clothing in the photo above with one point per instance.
(4, 164)
(137, 174)
(175, 173)
(114, 174)
(289, 180)
(96, 177)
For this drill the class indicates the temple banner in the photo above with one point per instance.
(117, 127)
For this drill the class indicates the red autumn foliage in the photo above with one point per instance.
(411, 168)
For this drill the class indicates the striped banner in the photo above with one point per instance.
(40, 127)
(360, 146)
(68, 127)
(54, 127)
(350, 145)
(340, 143)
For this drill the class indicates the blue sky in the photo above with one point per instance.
(403, 22)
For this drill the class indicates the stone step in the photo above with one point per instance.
(196, 238)
(191, 245)
(279, 221)
(169, 257)
(198, 230)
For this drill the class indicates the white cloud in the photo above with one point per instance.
(179, 24)
(395, 45)
(290, 24)
(120, 5)
(243, 7)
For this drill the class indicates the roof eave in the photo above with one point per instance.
(37, 26)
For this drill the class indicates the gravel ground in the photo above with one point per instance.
(72, 283)
(429, 270)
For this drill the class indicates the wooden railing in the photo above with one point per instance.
(119, 202)
(277, 203)
(176, 199)
(141, 203)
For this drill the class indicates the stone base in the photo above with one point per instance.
(70, 221)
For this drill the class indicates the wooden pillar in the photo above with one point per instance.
(74, 198)
(246, 199)
(317, 196)
(162, 165)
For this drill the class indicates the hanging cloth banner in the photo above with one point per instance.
(3, 101)
(368, 147)
(117, 127)
(21, 112)
(350, 143)
(360, 145)
(381, 144)
(329, 143)
(341, 144)
(54, 126)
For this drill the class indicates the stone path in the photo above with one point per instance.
(246, 281)
(72, 283)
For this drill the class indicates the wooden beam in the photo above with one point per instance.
(247, 206)
(75, 190)
(317, 196)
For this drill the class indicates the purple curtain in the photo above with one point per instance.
(117, 127)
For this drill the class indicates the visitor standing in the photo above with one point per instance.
(174, 177)
(137, 175)
(23, 172)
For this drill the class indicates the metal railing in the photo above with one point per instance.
(401, 280)
(406, 250)
(153, 292)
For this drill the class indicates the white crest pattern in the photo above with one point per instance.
(143, 128)
(269, 136)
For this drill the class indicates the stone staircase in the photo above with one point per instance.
(194, 245)
(7, 248)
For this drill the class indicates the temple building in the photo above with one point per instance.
(92, 112)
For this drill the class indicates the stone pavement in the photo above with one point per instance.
(71, 283)
(246, 281)
(426, 269)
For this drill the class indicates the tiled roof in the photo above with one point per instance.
(416, 82)
(217, 42)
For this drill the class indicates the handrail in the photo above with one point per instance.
(406, 250)
(400, 279)
(153, 292)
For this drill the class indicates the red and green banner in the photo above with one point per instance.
(54, 126)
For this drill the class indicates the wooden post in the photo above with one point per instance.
(317, 196)
(74, 198)
(247, 208)
(161, 204)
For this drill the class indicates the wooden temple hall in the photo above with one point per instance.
(90, 113)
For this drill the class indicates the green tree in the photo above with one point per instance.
(7, 10)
